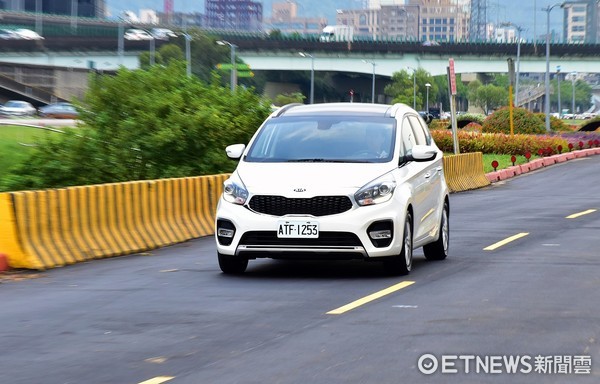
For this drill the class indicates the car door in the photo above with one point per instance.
(431, 187)
(416, 177)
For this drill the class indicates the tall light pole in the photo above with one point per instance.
(558, 86)
(120, 41)
(372, 82)
(188, 55)
(427, 85)
(519, 30)
(188, 50)
(573, 75)
(38, 17)
(233, 66)
(312, 75)
(74, 12)
(414, 87)
(547, 82)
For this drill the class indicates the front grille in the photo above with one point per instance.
(316, 206)
(325, 239)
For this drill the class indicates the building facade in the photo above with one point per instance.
(82, 8)
(443, 20)
(242, 15)
(422, 20)
(284, 17)
(581, 21)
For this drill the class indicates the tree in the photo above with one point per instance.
(145, 125)
(583, 94)
(288, 98)
(490, 97)
(401, 88)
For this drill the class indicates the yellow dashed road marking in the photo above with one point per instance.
(576, 215)
(158, 380)
(506, 241)
(371, 297)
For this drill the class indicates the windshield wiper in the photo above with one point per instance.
(314, 160)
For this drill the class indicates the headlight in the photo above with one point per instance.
(234, 190)
(377, 191)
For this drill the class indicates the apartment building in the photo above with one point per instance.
(284, 17)
(423, 20)
(581, 21)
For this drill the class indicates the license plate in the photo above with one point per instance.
(297, 229)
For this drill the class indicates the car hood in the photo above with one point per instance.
(309, 179)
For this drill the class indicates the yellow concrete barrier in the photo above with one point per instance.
(51, 228)
(465, 171)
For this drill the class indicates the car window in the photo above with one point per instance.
(408, 136)
(421, 133)
(324, 138)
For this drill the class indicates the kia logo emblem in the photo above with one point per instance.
(299, 189)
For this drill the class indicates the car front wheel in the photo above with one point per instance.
(232, 265)
(402, 263)
(438, 250)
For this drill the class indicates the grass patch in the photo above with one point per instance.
(503, 161)
(15, 144)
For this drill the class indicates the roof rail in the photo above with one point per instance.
(283, 109)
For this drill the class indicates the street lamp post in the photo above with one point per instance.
(188, 55)
(233, 66)
(312, 75)
(414, 87)
(372, 82)
(558, 86)
(547, 78)
(519, 30)
(427, 85)
(573, 75)
(120, 41)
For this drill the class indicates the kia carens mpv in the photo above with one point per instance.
(335, 181)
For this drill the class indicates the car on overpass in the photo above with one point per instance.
(16, 108)
(335, 181)
(61, 110)
(137, 35)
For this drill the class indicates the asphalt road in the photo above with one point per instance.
(171, 316)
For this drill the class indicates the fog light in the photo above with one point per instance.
(384, 234)
(224, 232)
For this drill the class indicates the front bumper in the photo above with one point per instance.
(341, 236)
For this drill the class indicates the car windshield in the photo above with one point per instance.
(15, 104)
(354, 139)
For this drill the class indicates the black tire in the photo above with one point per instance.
(438, 250)
(232, 265)
(402, 263)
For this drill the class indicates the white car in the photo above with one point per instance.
(17, 108)
(27, 34)
(335, 181)
(162, 33)
(137, 34)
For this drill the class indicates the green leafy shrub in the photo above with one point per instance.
(142, 125)
(556, 124)
(498, 143)
(439, 124)
(471, 117)
(524, 122)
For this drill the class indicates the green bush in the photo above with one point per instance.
(498, 143)
(524, 122)
(142, 125)
(471, 117)
(556, 124)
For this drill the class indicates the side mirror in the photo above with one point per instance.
(235, 151)
(421, 153)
